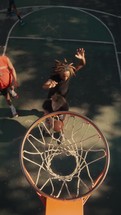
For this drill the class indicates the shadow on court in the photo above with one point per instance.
(95, 92)
(13, 192)
(5, 112)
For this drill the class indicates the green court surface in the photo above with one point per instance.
(53, 33)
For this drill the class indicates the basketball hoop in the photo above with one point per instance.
(67, 166)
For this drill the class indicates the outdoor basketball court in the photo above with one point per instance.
(49, 33)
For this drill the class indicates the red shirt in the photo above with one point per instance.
(6, 75)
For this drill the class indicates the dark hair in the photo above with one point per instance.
(63, 66)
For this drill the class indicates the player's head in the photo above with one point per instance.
(64, 69)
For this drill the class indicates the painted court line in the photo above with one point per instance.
(69, 40)
(84, 10)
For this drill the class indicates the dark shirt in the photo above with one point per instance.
(61, 87)
(47, 105)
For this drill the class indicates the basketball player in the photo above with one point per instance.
(13, 9)
(63, 71)
(8, 81)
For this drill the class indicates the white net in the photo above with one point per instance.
(65, 164)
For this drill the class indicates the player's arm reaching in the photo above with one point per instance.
(49, 84)
(63, 68)
(13, 72)
(80, 54)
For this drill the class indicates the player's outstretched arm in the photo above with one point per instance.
(49, 84)
(80, 54)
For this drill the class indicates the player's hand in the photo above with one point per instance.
(80, 54)
(52, 84)
(16, 84)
